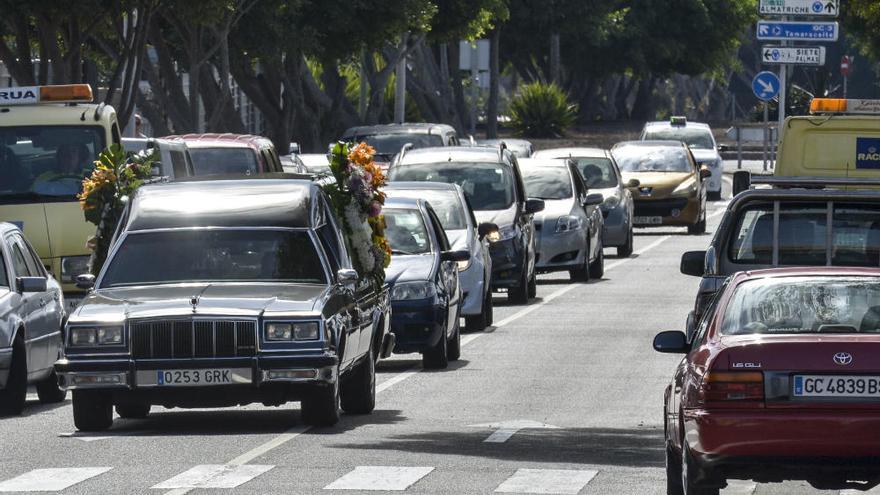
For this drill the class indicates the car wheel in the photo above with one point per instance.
(12, 398)
(597, 267)
(359, 390)
(453, 347)
(49, 391)
(133, 411)
(627, 249)
(713, 195)
(478, 323)
(699, 227)
(582, 274)
(690, 473)
(321, 407)
(533, 286)
(673, 472)
(520, 294)
(490, 315)
(92, 410)
(436, 358)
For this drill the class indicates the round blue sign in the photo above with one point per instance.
(765, 85)
(818, 7)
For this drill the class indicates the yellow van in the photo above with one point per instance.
(50, 137)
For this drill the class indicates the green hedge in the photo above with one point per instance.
(541, 110)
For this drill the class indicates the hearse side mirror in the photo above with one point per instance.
(633, 183)
(534, 205)
(347, 276)
(459, 255)
(705, 173)
(671, 342)
(485, 229)
(693, 263)
(31, 284)
(594, 199)
(86, 281)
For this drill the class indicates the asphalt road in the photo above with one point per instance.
(560, 396)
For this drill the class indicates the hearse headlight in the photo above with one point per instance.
(288, 332)
(95, 336)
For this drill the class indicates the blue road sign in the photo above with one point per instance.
(789, 30)
(765, 85)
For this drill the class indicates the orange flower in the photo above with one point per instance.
(362, 154)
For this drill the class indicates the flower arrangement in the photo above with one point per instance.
(357, 200)
(104, 193)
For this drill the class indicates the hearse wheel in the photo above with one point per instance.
(359, 390)
(133, 411)
(321, 407)
(92, 410)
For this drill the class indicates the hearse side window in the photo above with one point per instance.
(178, 163)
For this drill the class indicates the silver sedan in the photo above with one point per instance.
(569, 229)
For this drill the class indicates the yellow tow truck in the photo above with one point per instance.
(50, 137)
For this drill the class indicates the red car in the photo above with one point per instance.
(780, 381)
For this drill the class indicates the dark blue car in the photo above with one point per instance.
(423, 276)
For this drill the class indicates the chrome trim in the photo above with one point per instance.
(191, 320)
(67, 377)
(327, 374)
(44, 337)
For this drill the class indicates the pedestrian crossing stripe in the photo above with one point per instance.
(380, 478)
(213, 476)
(50, 480)
(547, 481)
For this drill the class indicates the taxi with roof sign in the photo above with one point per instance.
(50, 137)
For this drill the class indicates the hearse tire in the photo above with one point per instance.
(133, 411)
(358, 394)
(92, 410)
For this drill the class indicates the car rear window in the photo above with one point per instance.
(804, 304)
(598, 173)
(222, 161)
(449, 208)
(488, 186)
(547, 182)
(803, 236)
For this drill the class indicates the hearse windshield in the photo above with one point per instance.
(46, 163)
(807, 304)
(227, 255)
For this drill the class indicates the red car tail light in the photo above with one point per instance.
(733, 386)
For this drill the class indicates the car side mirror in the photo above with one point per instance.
(31, 284)
(742, 181)
(671, 342)
(534, 205)
(456, 256)
(347, 276)
(593, 199)
(693, 263)
(705, 173)
(723, 148)
(86, 281)
(485, 229)
(633, 183)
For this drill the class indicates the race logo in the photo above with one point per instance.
(868, 153)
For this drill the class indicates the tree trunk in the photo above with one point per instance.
(643, 108)
(494, 84)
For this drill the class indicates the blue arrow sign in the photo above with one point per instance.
(789, 30)
(765, 85)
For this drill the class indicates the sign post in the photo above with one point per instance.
(766, 86)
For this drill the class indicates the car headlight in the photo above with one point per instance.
(687, 187)
(413, 290)
(73, 266)
(95, 336)
(504, 233)
(568, 223)
(287, 332)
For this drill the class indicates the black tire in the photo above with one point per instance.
(358, 394)
(321, 407)
(453, 347)
(713, 195)
(626, 250)
(478, 323)
(520, 294)
(491, 306)
(673, 472)
(699, 227)
(533, 286)
(92, 410)
(690, 474)
(436, 358)
(49, 391)
(13, 397)
(582, 274)
(597, 267)
(133, 411)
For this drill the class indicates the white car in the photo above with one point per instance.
(698, 137)
(457, 218)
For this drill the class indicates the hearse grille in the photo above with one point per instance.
(186, 339)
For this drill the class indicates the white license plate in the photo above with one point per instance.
(647, 220)
(193, 378)
(865, 387)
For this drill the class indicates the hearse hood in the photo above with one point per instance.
(234, 300)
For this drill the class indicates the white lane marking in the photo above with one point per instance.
(553, 481)
(872, 491)
(214, 476)
(380, 478)
(296, 431)
(50, 480)
(85, 437)
(506, 429)
(741, 487)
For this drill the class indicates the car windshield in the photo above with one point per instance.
(694, 137)
(315, 163)
(488, 186)
(39, 163)
(652, 159)
(547, 182)
(222, 161)
(598, 173)
(406, 231)
(807, 304)
(446, 204)
(390, 144)
(227, 255)
(802, 236)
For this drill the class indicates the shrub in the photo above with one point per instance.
(541, 110)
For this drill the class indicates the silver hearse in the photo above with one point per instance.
(223, 293)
